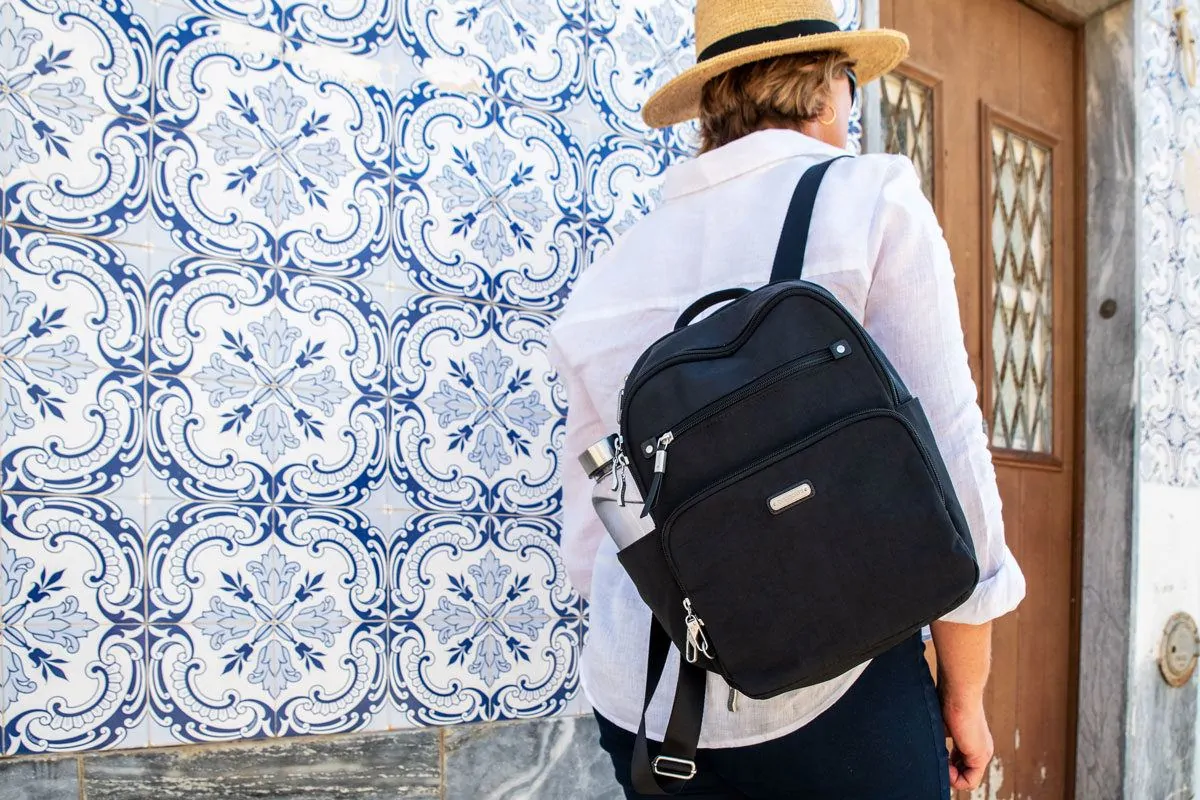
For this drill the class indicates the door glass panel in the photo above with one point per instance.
(1023, 298)
(908, 123)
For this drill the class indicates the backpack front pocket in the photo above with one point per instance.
(840, 555)
(748, 398)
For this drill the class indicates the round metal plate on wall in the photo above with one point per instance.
(1180, 650)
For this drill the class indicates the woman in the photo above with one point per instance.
(773, 89)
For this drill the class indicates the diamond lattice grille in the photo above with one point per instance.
(908, 124)
(1023, 299)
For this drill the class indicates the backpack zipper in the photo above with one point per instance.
(833, 427)
(796, 288)
(791, 449)
(657, 448)
(697, 641)
(667, 528)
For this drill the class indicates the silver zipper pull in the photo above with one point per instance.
(660, 471)
(623, 466)
(660, 452)
(731, 703)
(619, 446)
(620, 473)
(620, 461)
(697, 642)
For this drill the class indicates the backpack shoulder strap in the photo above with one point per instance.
(675, 765)
(793, 241)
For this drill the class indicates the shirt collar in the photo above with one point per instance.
(741, 156)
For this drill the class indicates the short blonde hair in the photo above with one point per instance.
(781, 92)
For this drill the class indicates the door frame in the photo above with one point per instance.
(1102, 502)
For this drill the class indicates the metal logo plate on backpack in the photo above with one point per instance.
(786, 499)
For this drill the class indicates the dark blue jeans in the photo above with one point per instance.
(883, 740)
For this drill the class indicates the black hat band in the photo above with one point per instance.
(771, 33)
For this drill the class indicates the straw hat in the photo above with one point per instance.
(730, 33)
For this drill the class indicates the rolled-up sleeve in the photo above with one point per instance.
(912, 312)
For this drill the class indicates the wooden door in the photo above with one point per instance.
(986, 105)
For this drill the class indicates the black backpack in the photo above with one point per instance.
(797, 493)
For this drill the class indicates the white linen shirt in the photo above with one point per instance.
(877, 246)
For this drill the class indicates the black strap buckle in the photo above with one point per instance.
(679, 769)
(683, 729)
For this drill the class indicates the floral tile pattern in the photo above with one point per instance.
(265, 621)
(285, 165)
(266, 384)
(624, 184)
(279, 441)
(488, 200)
(529, 52)
(634, 47)
(72, 339)
(1170, 281)
(482, 624)
(482, 431)
(71, 625)
(73, 139)
(356, 26)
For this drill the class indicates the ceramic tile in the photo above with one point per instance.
(1169, 336)
(67, 433)
(351, 26)
(204, 451)
(226, 158)
(634, 47)
(93, 697)
(266, 621)
(483, 620)
(274, 305)
(71, 624)
(525, 52)
(268, 326)
(257, 14)
(625, 182)
(578, 706)
(477, 413)
(72, 334)
(68, 63)
(73, 115)
(197, 306)
(91, 180)
(339, 166)
(220, 439)
(266, 384)
(488, 199)
(72, 300)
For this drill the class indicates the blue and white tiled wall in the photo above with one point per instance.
(1168, 546)
(279, 443)
(1170, 276)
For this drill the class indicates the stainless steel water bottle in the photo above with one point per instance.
(615, 499)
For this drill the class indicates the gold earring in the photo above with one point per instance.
(832, 119)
